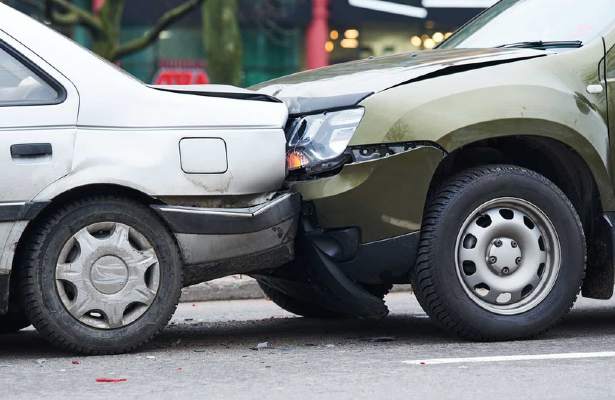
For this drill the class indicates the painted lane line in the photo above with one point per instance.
(528, 357)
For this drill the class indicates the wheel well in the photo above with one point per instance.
(59, 201)
(92, 190)
(564, 167)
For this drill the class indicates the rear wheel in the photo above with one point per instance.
(102, 276)
(502, 254)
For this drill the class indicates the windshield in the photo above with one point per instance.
(515, 21)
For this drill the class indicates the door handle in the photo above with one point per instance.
(31, 150)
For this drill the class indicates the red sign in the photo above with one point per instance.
(181, 76)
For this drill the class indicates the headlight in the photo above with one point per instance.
(317, 143)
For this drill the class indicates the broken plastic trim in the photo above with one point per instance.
(366, 153)
(323, 169)
(358, 155)
(373, 152)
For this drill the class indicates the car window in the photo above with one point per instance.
(19, 85)
(514, 21)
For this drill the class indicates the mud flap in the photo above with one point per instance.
(600, 274)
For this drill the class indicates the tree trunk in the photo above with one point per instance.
(107, 42)
(222, 40)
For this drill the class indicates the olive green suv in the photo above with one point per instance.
(482, 172)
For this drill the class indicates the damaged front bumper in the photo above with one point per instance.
(216, 242)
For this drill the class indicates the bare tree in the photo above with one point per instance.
(105, 26)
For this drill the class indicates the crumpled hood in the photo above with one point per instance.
(347, 84)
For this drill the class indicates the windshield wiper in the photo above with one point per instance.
(539, 44)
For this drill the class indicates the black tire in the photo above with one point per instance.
(40, 296)
(439, 289)
(312, 310)
(13, 322)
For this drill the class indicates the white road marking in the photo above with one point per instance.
(528, 357)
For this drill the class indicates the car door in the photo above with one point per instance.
(38, 114)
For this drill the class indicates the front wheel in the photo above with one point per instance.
(502, 254)
(13, 322)
(101, 276)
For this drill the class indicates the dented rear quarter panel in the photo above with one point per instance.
(148, 160)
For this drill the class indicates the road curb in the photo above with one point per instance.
(236, 287)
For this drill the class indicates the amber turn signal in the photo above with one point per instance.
(296, 160)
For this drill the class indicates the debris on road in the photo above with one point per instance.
(111, 380)
(41, 362)
(261, 346)
(76, 362)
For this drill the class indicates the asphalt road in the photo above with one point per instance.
(207, 354)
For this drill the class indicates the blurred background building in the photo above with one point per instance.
(280, 37)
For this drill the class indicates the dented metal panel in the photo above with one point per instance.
(375, 75)
(149, 160)
(10, 233)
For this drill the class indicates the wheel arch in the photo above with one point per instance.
(92, 190)
(59, 201)
(570, 171)
(591, 149)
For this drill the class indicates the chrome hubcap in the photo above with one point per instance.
(508, 256)
(107, 275)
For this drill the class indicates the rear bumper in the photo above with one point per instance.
(217, 242)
